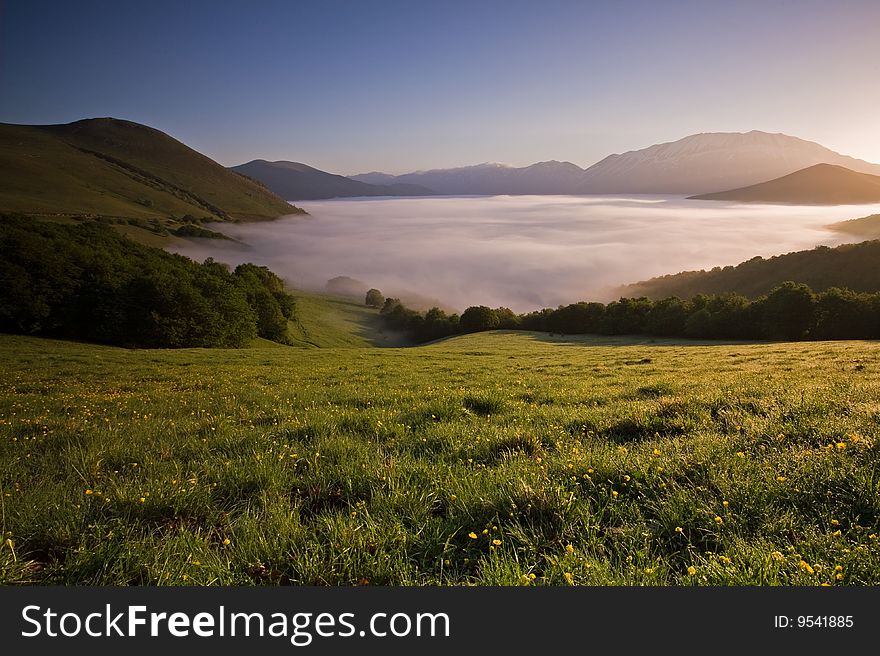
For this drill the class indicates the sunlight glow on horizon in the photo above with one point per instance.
(353, 88)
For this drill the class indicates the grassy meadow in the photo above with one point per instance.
(498, 458)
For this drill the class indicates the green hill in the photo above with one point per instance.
(855, 266)
(113, 168)
(821, 184)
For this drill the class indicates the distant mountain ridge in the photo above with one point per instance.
(820, 184)
(295, 181)
(697, 164)
(491, 178)
(116, 168)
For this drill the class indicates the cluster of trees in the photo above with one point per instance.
(791, 311)
(436, 323)
(88, 282)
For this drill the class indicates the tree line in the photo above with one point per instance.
(88, 282)
(791, 311)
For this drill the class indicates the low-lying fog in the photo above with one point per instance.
(523, 252)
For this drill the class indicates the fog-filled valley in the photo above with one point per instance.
(523, 252)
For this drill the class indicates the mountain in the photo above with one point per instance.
(700, 163)
(110, 167)
(295, 181)
(855, 266)
(820, 184)
(491, 179)
(705, 163)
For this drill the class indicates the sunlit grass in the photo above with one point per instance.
(512, 459)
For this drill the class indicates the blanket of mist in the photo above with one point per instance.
(523, 252)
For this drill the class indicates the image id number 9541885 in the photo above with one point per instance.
(813, 621)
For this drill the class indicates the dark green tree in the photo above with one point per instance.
(478, 318)
(788, 311)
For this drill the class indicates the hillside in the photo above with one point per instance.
(295, 181)
(326, 321)
(867, 227)
(856, 266)
(821, 184)
(700, 163)
(110, 167)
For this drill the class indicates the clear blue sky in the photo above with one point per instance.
(367, 85)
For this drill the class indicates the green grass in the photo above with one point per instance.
(576, 460)
(330, 321)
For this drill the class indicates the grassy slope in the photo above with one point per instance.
(330, 321)
(587, 460)
(117, 168)
(42, 174)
